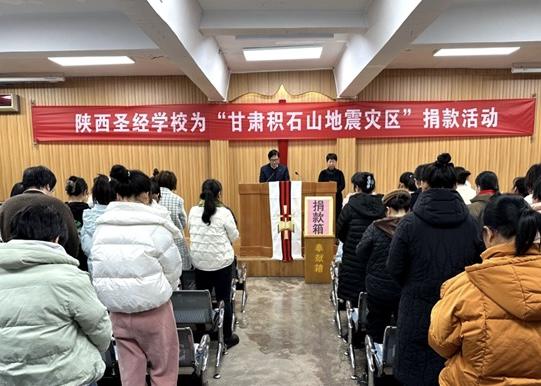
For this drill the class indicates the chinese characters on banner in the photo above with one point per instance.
(509, 117)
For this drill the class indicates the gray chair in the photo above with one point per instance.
(240, 285)
(194, 308)
(193, 356)
(112, 371)
(357, 323)
(380, 357)
(338, 303)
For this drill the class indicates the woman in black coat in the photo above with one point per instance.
(360, 211)
(432, 244)
(383, 291)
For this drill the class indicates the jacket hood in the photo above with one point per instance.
(441, 208)
(132, 213)
(481, 198)
(19, 254)
(367, 205)
(509, 281)
(388, 225)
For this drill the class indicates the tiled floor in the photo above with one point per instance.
(287, 338)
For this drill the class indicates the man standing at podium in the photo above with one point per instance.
(273, 171)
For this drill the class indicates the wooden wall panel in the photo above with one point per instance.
(239, 162)
(305, 157)
(508, 157)
(189, 160)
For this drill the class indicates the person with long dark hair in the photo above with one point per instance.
(488, 321)
(433, 243)
(212, 230)
(135, 268)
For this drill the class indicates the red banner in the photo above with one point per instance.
(476, 118)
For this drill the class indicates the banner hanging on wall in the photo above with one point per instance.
(273, 121)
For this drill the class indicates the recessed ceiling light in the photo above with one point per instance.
(30, 79)
(69, 61)
(281, 53)
(482, 51)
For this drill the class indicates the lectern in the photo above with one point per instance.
(255, 231)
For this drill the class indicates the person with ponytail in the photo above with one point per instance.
(212, 230)
(488, 321)
(362, 208)
(433, 243)
(136, 267)
(407, 181)
(77, 191)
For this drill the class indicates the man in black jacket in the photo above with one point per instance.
(273, 171)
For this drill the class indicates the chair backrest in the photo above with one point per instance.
(186, 357)
(109, 356)
(363, 310)
(192, 307)
(389, 346)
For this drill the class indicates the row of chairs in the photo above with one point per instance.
(196, 316)
(379, 357)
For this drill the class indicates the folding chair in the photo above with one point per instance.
(194, 308)
(380, 357)
(111, 377)
(192, 355)
(337, 302)
(357, 322)
(240, 285)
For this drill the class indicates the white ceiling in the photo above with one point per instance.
(284, 5)
(356, 35)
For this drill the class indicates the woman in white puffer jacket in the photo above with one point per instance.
(212, 231)
(136, 267)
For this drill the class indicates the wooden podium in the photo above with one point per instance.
(255, 229)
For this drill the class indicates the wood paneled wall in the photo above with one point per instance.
(239, 162)
(190, 160)
(507, 157)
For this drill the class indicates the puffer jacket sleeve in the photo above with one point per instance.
(169, 257)
(86, 232)
(89, 313)
(342, 224)
(399, 258)
(364, 249)
(231, 226)
(445, 327)
(182, 215)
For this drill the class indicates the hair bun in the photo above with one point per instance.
(155, 172)
(443, 159)
(120, 173)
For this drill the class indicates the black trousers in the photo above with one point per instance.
(220, 281)
(380, 315)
